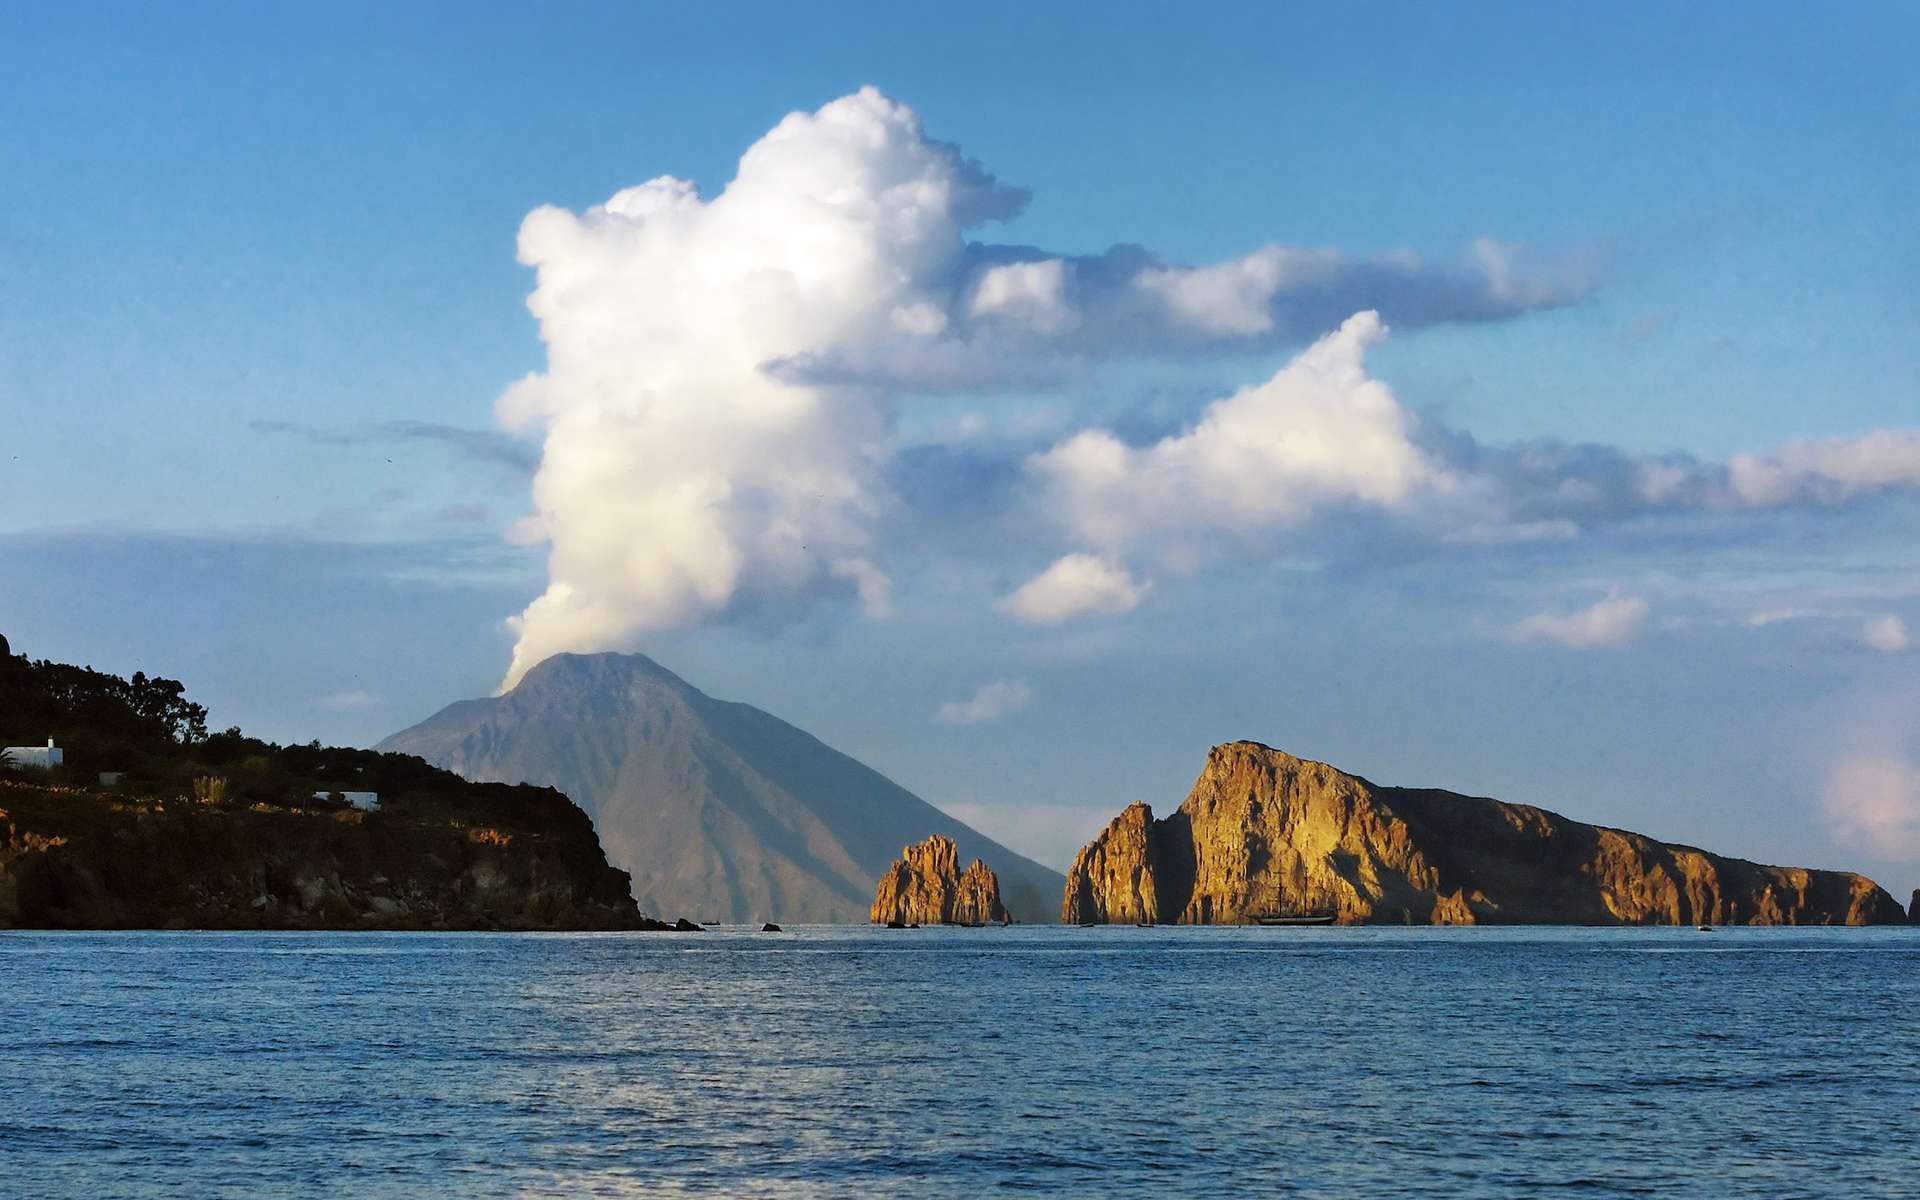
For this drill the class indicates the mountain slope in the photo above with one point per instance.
(718, 810)
(1265, 832)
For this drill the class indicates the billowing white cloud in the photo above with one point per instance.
(679, 477)
(718, 407)
(991, 702)
(1612, 622)
(1030, 294)
(1076, 585)
(1322, 438)
(1321, 432)
(1886, 633)
(1874, 804)
(717, 403)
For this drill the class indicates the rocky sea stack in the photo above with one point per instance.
(925, 886)
(1264, 832)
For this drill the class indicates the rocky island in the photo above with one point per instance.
(925, 886)
(1264, 832)
(134, 816)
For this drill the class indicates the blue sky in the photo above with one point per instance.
(259, 297)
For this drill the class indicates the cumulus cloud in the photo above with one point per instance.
(1612, 622)
(1886, 633)
(1323, 438)
(1874, 804)
(1321, 432)
(990, 703)
(717, 404)
(1827, 471)
(678, 475)
(718, 412)
(1076, 585)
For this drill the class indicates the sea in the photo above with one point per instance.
(835, 1061)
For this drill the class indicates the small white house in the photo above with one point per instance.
(364, 801)
(35, 758)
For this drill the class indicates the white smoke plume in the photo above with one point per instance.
(717, 403)
(677, 474)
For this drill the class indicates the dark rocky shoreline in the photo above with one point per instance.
(517, 858)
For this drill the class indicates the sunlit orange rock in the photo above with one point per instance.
(925, 886)
(1264, 832)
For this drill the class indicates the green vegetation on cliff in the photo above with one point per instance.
(228, 831)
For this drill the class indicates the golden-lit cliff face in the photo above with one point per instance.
(925, 886)
(1263, 831)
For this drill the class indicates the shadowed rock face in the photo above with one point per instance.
(1263, 831)
(1913, 907)
(485, 857)
(925, 886)
(717, 809)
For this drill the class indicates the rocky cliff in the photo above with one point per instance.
(1263, 831)
(498, 858)
(925, 886)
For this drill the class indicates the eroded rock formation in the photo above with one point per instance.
(1263, 831)
(925, 886)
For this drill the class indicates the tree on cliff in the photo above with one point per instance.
(42, 699)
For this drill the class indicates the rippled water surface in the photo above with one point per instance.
(835, 1062)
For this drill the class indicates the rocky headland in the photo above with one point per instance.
(925, 886)
(146, 819)
(501, 858)
(1264, 832)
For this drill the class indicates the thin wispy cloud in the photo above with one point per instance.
(1886, 633)
(478, 445)
(1608, 624)
(991, 702)
(1873, 803)
(353, 700)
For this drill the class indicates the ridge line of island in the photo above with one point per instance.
(223, 831)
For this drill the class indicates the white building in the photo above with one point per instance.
(364, 801)
(35, 758)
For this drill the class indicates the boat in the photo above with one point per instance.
(1304, 903)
